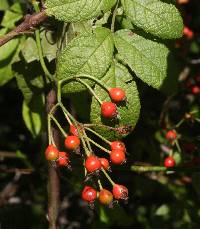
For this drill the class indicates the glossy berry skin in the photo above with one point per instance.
(73, 130)
(92, 164)
(51, 153)
(117, 94)
(117, 157)
(171, 135)
(169, 162)
(118, 145)
(63, 159)
(105, 197)
(108, 110)
(72, 142)
(195, 90)
(120, 192)
(104, 163)
(89, 194)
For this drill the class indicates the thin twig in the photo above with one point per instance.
(30, 21)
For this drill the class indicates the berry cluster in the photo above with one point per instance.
(77, 141)
(171, 136)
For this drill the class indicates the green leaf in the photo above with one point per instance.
(162, 210)
(49, 45)
(10, 18)
(29, 79)
(89, 53)
(9, 48)
(29, 50)
(154, 16)
(117, 76)
(77, 10)
(147, 58)
(4, 4)
(32, 115)
(6, 73)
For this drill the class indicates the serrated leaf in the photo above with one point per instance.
(89, 53)
(117, 76)
(32, 115)
(147, 58)
(77, 10)
(154, 16)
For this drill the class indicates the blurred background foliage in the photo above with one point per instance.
(157, 200)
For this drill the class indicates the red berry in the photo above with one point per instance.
(89, 194)
(51, 153)
(73, 130)
(171, 135)
(104, 163)
(72, 142)
(195, 90)
(63, 159)
(105, 197)
(108, 110)
(120, 192)
(118, 145)
(117, 94)
(188, 32)
(169, 162)
(92, 164)
(117, 157)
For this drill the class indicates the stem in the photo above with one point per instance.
(177, 145)
(108, 177)
(53, 177)
(179, 123)
(96, 144)
(58, 125)
(100, 185)
(87, 141)
(113, 17)
(137, 168)
(98, 135)
(49, 129)
(86, 77)
(39, 46)
(90, 89)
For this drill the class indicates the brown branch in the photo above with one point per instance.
(29, 22)
(53, 176)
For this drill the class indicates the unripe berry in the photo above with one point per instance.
(120, 192)
(104, 163)
(72, 142)
(51, 153)
(117, 157)
(92, 164)
(89, 194)
(117, 94)
(73, 130)
(171, 135)
(105, 197)
(63, 159)
(108, 110)
(169, 162)
(118, 145)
